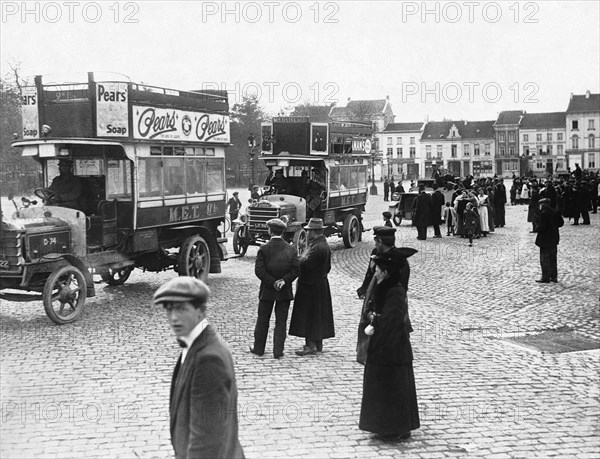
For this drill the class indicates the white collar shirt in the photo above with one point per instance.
(189, 339)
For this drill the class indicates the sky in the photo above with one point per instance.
(435, 60)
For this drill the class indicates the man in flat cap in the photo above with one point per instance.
(277, 266)
(66, 187)
(234, 204)
(203, 401)
(312, 317)
(547, 240)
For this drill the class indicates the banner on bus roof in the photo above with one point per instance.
(153, 123)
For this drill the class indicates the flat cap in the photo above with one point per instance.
(277, 223)
(384, 231)
(180, 289)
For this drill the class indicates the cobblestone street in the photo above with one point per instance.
(100, 387)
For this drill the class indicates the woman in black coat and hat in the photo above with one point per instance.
(389, 404)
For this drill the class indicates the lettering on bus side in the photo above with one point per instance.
(192, 212)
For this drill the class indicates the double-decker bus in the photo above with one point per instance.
(150, 167)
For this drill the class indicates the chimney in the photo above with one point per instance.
(571, 96)
(388, 97)
(465, 122)
(348, 99)
(587, 94)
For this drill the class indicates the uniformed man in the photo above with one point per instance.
(66, 186)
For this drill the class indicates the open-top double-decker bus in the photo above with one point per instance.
(319, 170)
(149, 166)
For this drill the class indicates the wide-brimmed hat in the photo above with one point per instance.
(181, 289)
(314, 224)
(276, 223)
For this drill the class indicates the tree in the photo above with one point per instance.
(246, 118)
(17, 174)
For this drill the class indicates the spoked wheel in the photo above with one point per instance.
(299, 241)
(351, 231)
(194, 258)
(240, 242)
(115, 276)
(64, 295)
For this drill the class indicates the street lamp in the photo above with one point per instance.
(373, 189)
(252, 152)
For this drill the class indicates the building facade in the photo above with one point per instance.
(543, 141)
(459, 148)
(582, 125)
(400, 144)
(506, 139)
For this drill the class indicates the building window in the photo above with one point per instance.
(453, 149)
(398, 140)
(559, 149)
(476, 149)
(590, 125)
(549, 149)
(390, 152)
(525, 137)
(511, 151)
(412, 140)
(487, 148)
(591, 141)
(439, 151)
(575, 142)
(466, 149)
(526, 151)
(540, 151)
(560, 165)
(399, 152)
(390, 140)
(502, 151)
(501, 137)
(592, 162)
(511, 137)
(539, 165)
(559, 136)
(575, 125)
(549, 137)
(413, 152)
(538, 137)
(428, 152)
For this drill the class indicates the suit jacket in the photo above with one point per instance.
(203, 401)
(437, 202)
(422, 214)
(276, 260)
(547, 230)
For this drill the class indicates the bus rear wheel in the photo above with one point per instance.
(194, 258)
(351, 231)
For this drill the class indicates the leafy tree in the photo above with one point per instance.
(246, 118)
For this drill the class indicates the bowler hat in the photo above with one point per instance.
(180, 289)
(314, 224)
(276, 223)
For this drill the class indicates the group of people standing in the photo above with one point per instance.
(471, 212)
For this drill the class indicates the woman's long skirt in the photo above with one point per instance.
(389, 403)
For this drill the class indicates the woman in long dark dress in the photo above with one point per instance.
(389, 404)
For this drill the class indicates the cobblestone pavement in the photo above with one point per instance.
(100, 387)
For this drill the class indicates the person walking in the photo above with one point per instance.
(482, 208)
(422, 213)
(386, 189)
(312, 315)
(389, 407)
(499, 204)
(547, 240)
(437, 202)
(470, 223)
(203, 401)
(277, 266)
(234, 204)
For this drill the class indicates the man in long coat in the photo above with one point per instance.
(547, 240)
(437, 202)
(277, 266)
(499, 202)
(422, 214)
(312, 316)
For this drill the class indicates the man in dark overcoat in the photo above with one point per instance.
(422, 213)
(499, 203)
(203, 401)
(437, 202)
(547, 240)
(312, 316)
(277, 266)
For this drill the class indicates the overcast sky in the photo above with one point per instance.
(458, 60)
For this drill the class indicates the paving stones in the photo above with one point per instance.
(100, 387)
